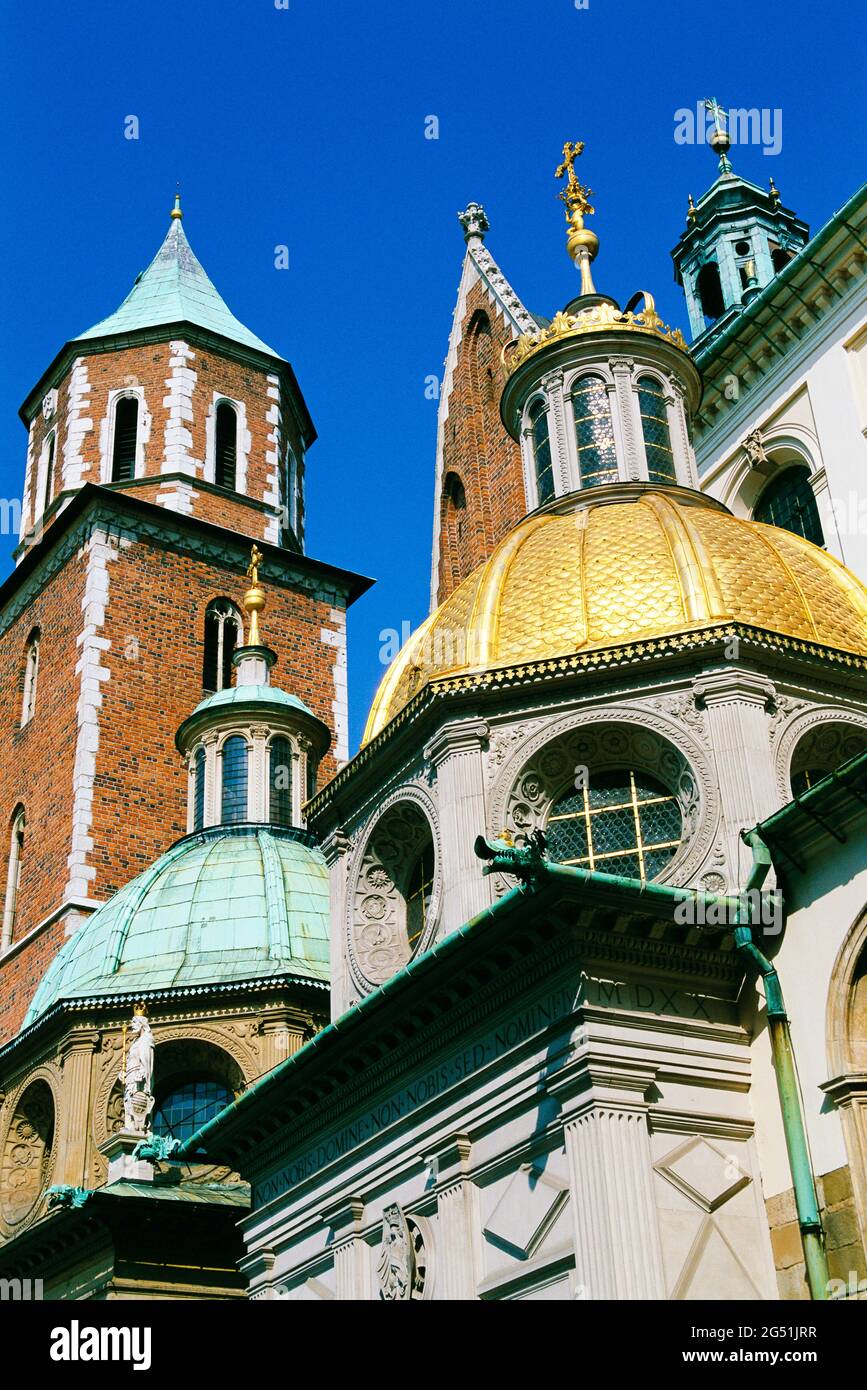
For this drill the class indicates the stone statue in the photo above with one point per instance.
(137, 1074)
(402, 1261)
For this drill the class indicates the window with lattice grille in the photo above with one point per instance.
(657, 436)
(790, 503)
(594, 432)
(622, 822)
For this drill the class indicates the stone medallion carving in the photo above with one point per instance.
(816, 739)
(544, 766)
(402, 1266)
(27, 1154)
(386, 924)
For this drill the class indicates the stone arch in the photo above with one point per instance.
(544, 766)
(381, 889)
(826, 736)
(27, 1152)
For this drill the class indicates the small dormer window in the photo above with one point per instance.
(226, 446)
(594, 432)
(125, 439)
(542, 452)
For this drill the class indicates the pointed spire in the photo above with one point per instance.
(176, 210)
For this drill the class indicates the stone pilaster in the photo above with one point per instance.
(458, 1222)
(736, 702)
(618, 1254)
(335, 849)
(351, 1255)
(283, 1033)
(557, 429)
(76, 1054)
(456, 754)
(624, 414)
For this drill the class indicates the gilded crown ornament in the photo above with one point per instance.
(254, 599)
(581, 243)
(599, 318)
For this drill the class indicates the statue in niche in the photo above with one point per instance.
(137, 1074)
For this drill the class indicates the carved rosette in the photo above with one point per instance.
(27, 1154)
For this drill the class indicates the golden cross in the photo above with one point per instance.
(574, 195)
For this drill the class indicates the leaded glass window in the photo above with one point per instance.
(234, 806)
(789, 502)
(125, 438)
(188, 1107)
(542, 452)
(594, 432)
(657, 436)
(280, 781)
(199, 789)
(418, 895)
(623, 822)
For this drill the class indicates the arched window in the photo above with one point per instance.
(223, 634)
(125, 438)
(623, 822)
(542, 452)
(48, 484)
(13, 876)
(418, 895)
(657, 436)
(189, 1106)
(234, 803)
(226, 445)
(455, 492)
(594, 432)
(280, 781)
(199, 789)
(31, 675)
(709, 291)
(789, 502)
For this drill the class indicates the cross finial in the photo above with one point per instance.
(575, 195)
(254, 599)
(719, 139)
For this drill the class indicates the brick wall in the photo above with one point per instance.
(477, 450)
(176, 381)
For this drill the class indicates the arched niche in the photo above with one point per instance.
(27, 1154)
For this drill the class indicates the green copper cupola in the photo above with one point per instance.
(738, 237)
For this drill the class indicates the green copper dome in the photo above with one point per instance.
(229, 904)
(246, 694)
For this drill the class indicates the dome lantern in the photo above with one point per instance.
(599, 395)
(252, 750)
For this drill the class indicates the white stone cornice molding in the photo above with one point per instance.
(733, 686)
(471, 734)
(335, 846)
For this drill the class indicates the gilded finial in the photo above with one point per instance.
(581, 243)
(775, 193)
(176, 210)
(254, 599)
(690, 212)
(719, 139)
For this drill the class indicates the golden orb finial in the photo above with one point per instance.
(254, 599)
(176, 210)
(581, 243)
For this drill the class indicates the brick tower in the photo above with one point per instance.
(162, 442)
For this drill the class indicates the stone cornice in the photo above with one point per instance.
(586, 664)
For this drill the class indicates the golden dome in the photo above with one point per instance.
(628, 562)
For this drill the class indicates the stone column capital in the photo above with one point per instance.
(734, 686)
(451, 1160)
(86, 1042)
(599, 1082)
(344, 1217)
(335, 845)
(465, 737)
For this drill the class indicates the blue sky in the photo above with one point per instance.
(305, 126)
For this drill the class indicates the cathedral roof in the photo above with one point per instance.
(176, 289)
(224, 905)
(619, 564)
